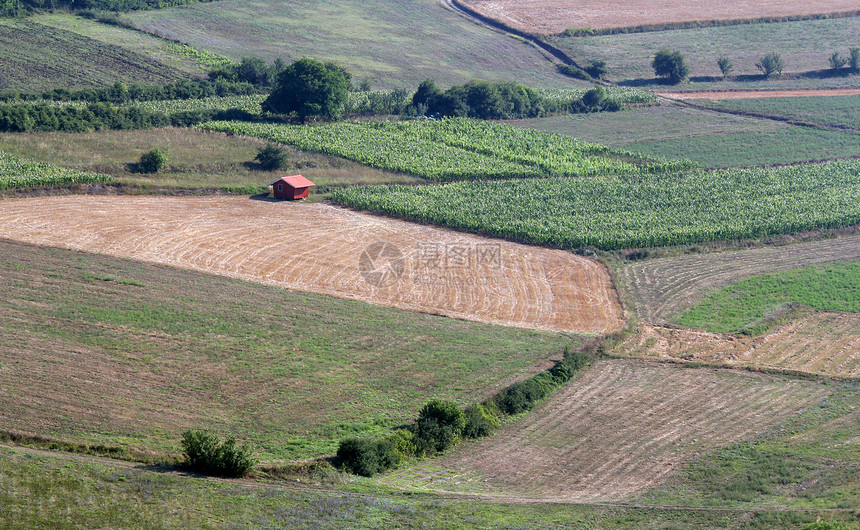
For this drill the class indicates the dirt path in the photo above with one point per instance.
(756, 94)
(822, 343)
(662, 289)
(623, 427)
(322, 249)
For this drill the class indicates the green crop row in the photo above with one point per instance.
(622, 95)
(454, 149)
(19, 173)
(632, 211)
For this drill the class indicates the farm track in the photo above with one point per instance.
(318, 248)
(621, 428)
(822, 343)
(556, 16)
(664, 288)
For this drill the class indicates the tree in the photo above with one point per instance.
(594, 99)
(309, 88)
(440, 424)
(152, 161)
(770, 64)
(671, 66)
(597, 69)
(271, 157)
(726, 66)
(837, 61)
(854, 59)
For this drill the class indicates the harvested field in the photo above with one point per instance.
(825, 343)
(664, 288)
(327, 250)
(757, 94)
(555, 16)
(621, 428)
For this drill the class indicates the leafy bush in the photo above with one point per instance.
(572, 71)
(206, 453)
(726, 66)
(597, 69)
(837, 61)
(271, 157)
(854, 59)
(152, 161)
(481, 99)
(366, 457)
(479, 421)
(671, 66)
(594, 99)
(770, 64)
(440, 424)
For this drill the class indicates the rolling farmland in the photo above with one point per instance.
(664, 288)
(632, 211)
(820, 343)
(620, 429)
(422, 268)
(555, 16)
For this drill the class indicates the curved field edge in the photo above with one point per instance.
(618, 430)
(137, 353)
(662, 289)
(18, 172)
(40, 490)
(750, 303)
(632, 211)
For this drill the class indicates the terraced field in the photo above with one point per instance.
(327, 250)
(661, 289)
(621, 428)
(822, 343)
(38, 57)
(554, 16)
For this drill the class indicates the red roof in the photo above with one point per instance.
(296, 181)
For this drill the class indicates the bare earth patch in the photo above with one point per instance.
(662, 289)
(756, 94)
(621, 428)
(555, 16)
(822, 343)
(321, 249)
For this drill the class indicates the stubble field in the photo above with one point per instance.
(332, 251)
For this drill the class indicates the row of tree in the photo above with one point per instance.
(20, 7)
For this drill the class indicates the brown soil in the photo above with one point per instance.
(662, 289)
(555, 16)
(621, 428)
(318, 248)
(820, 343)
(756, 94)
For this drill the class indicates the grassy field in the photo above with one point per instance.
(804, 46)
(394, 44)
(618, 430)
(16, 172)
(116, 352)
(197, 159)
(834, 287)
(631, 211)
(712, 139)
(832, 110)
(50, 491)
(38, 57)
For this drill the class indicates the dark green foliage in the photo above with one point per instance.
(573, 71)
(837, 61)
(271, 157)
(670, 66)
(13, 7)
(480, 99)
(770, 64)
(594, 99)
(251, 70)
(597, 69)
(152, 161)
(726, 66)
(440, 424)
(854, 59)
(366, 457)
(479, 421)
(206, 453)
(309, 88)
(524, 395)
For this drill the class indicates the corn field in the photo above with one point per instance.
(632, 211)
(19, 173)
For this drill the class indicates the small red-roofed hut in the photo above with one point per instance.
(291, 188)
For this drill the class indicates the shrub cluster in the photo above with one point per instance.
(98, 116)
(122, 93)
(24, 6)
(596, 70)
(441, 424)
(205, 453)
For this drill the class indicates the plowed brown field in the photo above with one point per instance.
(622, 427)
(323, 249)
(662, 289)
(555, 16)
(820, 343)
